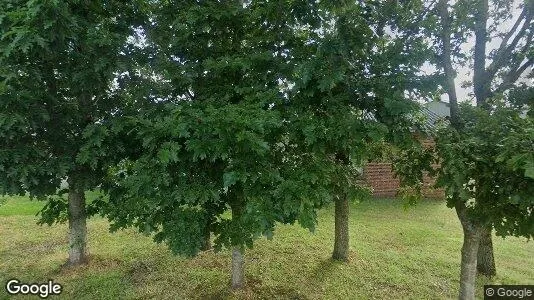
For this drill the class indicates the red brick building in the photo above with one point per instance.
(380, 177)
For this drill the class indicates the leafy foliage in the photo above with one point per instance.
(219, 140)
(57, 63)
(488, 165)
(522, 98)
(261, 109)
(410, 166)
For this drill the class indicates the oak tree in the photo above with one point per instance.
(217, 154)
(260, 111)
(470, 167)
(58, 60)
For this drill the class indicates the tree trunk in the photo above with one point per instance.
(468, 271)
(237, 268)
(341, 239)
(237, 252)
(446, 61)
(77, 224)
(481, 84)
(485, 259)
(206, 242)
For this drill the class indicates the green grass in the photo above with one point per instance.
(396, 253)
(24, 206)
(19, 206)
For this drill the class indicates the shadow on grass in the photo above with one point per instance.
(95, 263)
(329, 267)
(138, 270)
(253, 289)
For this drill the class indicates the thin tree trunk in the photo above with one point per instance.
(485, 259)
(77, 225)
(238, 270)
(446, 61)
(341, 239)
(468, 271)
(481, 85)
(482, 89)
(471, 236)
(206, 242)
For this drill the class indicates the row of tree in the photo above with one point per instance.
(182, 111)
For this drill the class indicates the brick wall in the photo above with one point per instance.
(380, 177)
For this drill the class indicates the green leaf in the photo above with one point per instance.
(229, 179)
(529, 170)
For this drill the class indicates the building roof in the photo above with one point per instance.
(431, 119)
(426, 118)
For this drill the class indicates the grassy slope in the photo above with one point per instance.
(397, 253)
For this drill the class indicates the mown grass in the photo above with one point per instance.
(396, 253)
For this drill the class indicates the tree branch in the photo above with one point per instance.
(498, 61)
(513, 76)
(519, 57)
(506, 56)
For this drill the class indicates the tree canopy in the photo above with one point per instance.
(488, 164)
(471, 167)
(259, 110)
(58, 60)
(224, 118)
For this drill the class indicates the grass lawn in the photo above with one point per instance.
(397, 253)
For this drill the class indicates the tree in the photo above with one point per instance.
(493, 76)
(508, 62)
(57, 63)
(359, 85)
(487, 167)
(257, 113)
(217, 137)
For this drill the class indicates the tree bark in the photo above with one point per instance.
(341, 239)
(446, 61)
(238, 268)
(468, 271)
(77, 224)
(481, 84)
(206, 242)
(485, 259)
